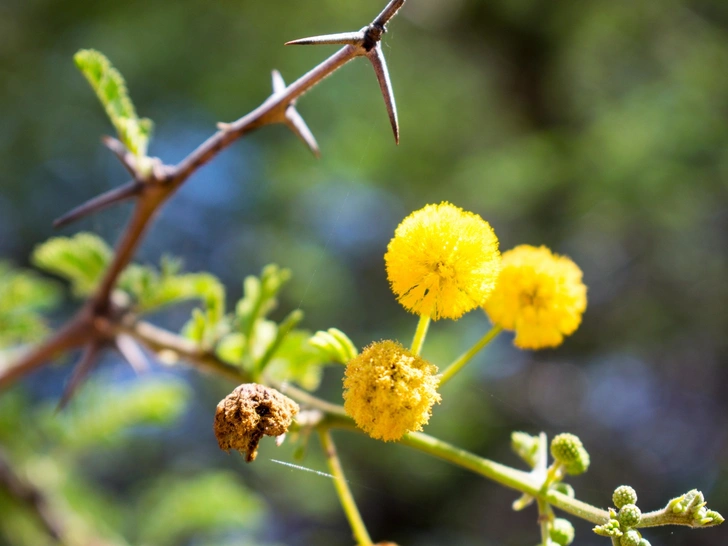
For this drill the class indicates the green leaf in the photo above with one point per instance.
(152, 290)
(260, 296)
(285, 327)
(178, 507)
(81, 259)
(23, 295)
(110, 88)
(297, 361)
(335, 345)
(231, 348)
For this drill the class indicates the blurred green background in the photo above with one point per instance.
(598, 128)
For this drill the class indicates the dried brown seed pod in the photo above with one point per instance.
(248, 413)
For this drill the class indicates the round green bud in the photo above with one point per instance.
(565, 448)
(624, 494)
(580, 465)
(630, 538)
(562, 532)
(644, 542)
(629, 515)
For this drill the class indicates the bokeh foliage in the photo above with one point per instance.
(597, 128)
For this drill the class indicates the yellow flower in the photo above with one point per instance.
(442, 261)
(388, 391)
(539, 295)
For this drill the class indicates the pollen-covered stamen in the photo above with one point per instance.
(539, 295)
(390, 391)
(442, 261)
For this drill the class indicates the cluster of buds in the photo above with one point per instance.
(621, 525)
(692, 504)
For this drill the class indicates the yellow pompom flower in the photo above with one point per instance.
(442, 261)
(388, 391)
(539, 295)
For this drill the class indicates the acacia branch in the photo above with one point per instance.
(164, 342)
(154, 183)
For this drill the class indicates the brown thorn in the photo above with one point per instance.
(385, 84)
(100, 202)
(82, 369)
(388, 12)
(293, 119)
(295, 123)
(70, 336)
(132, 353)
(122, 153)
(342, 38)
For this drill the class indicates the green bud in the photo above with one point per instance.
(630, 538)
(565, 448)
(714, 518)
(644, 542)
(624, 494)
(562, 532)
(580, 465)
(609, 529)
(687, 502)
(629, 515)
(525, 446)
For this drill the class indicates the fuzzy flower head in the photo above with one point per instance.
(442, 261)
(388, 391)
(539, 295)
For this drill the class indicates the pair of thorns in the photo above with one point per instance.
(100, 323)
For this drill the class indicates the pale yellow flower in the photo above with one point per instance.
(442, 261)
(539, 295)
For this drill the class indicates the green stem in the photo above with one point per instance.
(509, 477)
(456, 366)
(420, 334)
(545, 515)
(504, 475)
(342, 489)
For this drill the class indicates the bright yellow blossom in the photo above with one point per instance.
(539, 295)
(388, 391)
(442, 261)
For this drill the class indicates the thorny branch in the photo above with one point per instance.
(101, 323)
(94, 326)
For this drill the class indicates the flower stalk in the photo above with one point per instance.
(342, 490)
(468, 355)
(420, 334)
